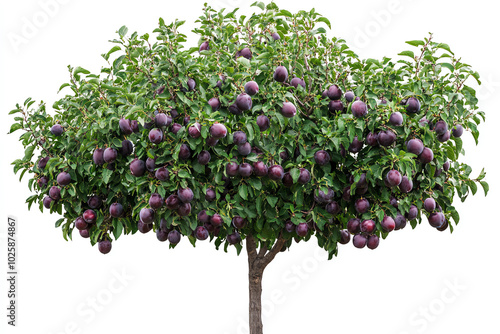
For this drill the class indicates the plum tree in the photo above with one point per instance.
(217, 143)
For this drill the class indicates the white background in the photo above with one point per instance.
(200, 290)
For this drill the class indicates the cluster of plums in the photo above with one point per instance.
(180, 202)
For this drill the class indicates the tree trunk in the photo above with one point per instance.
(257, 262)
(255, 287)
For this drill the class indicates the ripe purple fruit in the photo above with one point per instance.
(184, 209)
(80, 224)
(251, 88)
(415, 146)
(412, 105)
(245, 149)
(144, 228)
(288, 110)
(155, 201)
(359, 241)
(444, 137)
(124, 125)
(388, 224)
(201, 233)
(110, 155)
(295, 82)
(245, 169)
(333, 208)
(287, 180)
(232, 169)
(234, 238)
(359, 109)
(174, 237)
(162, 174)
(127, 148)
(356, 145)
(245, 52)
(244, 102)
(321, 157)
(89, 216)
(372, 242)
(260, 168)
(172, 202)
(322, 198)
(412, 212)
(204, 46)
(43, 161)
(362, 205)
(386, 138)
(349, 96)
(457, 130)
(335, 105)
(233, 109)
(84, 233)
(400, 221)
(210, 196)
(280, 74)
(218, 131)
(94, 202)
(116, 210)
(147, 215)
(436, 219)
(372, 139)
(63, 179)
(263, 122)
(134, 125)
(55, 193)
(441, 127)
(184, 152)
(276, 172)
(56, 130)
(204, 157)
(175, 128)
(137, 167)
(345, 237)
(195, 130)
(367, 226)
(239, 137)
(275, 36)
(406, 185)
(304, 176)
(155, 136)
(354, 225)
(47, 201)
(302, 229)
(191, 85)
(211, 141)
(429, 204)
(150, 164)
(186, 195)
(161, 235)
(393, 178)
(334, 92)
(238, 222)
(104, 246)
(446, 166)
(426, 156)
(396, 119)
(214, 103)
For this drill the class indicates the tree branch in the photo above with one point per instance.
(275, 250)
(251, 249)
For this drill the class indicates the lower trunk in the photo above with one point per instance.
(255, 287)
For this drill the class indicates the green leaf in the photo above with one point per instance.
(285, 13)
(15, 127)
(63, 86)
(415, 43)
(407, 53)
(243, 61)
(448, 66)
(255, 183)
(243, 191)
(183, 174)
(117, 228)
(295, 173)
(325, 20)
(78, 70)
(28, 153)
(122, 31)
(272, 200)
(485, 186)
(259, 4)
(106, 175)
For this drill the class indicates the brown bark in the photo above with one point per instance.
(257, 262)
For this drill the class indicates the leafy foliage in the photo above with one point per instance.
(145, 76)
